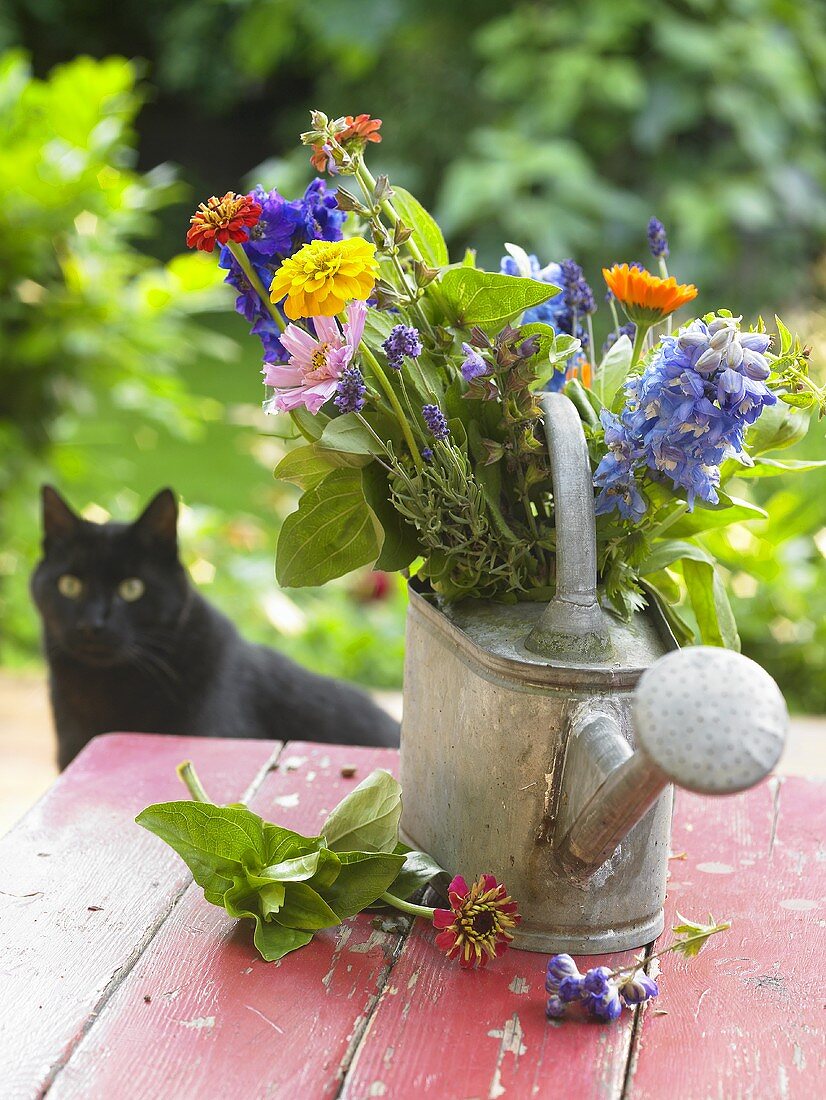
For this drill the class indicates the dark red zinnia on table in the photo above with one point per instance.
(477, 927)
(222, 220)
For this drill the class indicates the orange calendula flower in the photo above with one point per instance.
(646, 298)
(323, 276)
(222, 220)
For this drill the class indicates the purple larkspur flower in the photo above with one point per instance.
(657, 239)
(435, 420)
(558, 969)
(555, 1008)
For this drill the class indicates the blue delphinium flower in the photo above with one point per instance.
(436, 422)
(685, 414)
(403, 342)
(657, 239)
(350, 391)
(473, 365)
(319, 216)
(273, 235)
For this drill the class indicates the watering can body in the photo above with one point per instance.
(521, 752)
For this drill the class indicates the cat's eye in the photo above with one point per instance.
(131, 589)
(70, 586)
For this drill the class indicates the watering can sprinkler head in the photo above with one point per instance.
(706, 719)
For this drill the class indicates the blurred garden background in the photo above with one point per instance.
(559, 126)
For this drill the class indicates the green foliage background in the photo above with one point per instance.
(561, 126)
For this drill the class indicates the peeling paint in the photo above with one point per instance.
(266, 1019)
(510, 1036)
(715, 868)
(288, 801)
(519, 985)
(292, 763)
(798, 903)
(199, 1022)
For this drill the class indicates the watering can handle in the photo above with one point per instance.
(573, 617)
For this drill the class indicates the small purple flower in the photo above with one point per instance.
(403, 342)
(558, 969)
(657, 239)
(554, 1008)
(629, 329)
(571, 989)
(605, 1006)
(350, 391)
(436, 422)
(427, 454)
(638, 987)
(597, 981)
(473, 366)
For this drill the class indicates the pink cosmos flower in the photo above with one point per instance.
(478, 924)
(311, 375)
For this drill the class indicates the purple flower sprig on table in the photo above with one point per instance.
(604, 992)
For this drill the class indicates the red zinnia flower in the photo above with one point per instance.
(222, 220)
(477, 925)
(362, 127)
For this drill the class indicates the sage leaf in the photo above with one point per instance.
(304, 908)
(215, 842)
(367, 820)
(613, 370)
(400, 544)
(363, 878)
(417, 871)
(331, 533)
(274, 941)
(347, 433)
(710, 604)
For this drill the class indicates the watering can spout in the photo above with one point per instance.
(706, 719)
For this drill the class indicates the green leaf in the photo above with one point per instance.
(426, 232)
(304, 466)
(298, 869)
(401, 541)
(306, 909)
(483, 298)
(347, 433)
(695, 934)
(707, 517)
(331, 533)
(417, 871)
(668, 551)
(311, 425)
(363, 879)
(367, 820)
(613, 370)
(274, 941)
(770, 467)
(215, 842)
(682, 630)
(710, 604)
(779, 426)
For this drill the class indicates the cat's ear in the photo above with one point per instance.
(157, 525)
(59, 521)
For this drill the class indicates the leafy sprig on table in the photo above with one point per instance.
(291, 885)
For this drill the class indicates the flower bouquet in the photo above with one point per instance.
(414, 381)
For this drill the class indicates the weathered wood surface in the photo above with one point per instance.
(83, 890)
(163, 996)
(745, 1019)
(221, 1022)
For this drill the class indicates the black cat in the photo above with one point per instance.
(131, 645)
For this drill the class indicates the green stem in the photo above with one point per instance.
(390, 393)
(368, 184)
(669, 521)
(722, 927)
(408, 907)
(245, 265)
(639, 343)
(664, 274)
(188, 776)
(614, 314)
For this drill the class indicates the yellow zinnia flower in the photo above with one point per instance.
(323, 276)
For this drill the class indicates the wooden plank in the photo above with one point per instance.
(443, 1032)
(201, 1014)
(744, 1019)
(84, 889)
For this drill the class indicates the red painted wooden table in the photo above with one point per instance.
(118, 980)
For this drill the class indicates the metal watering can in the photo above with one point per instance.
(540, 743)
